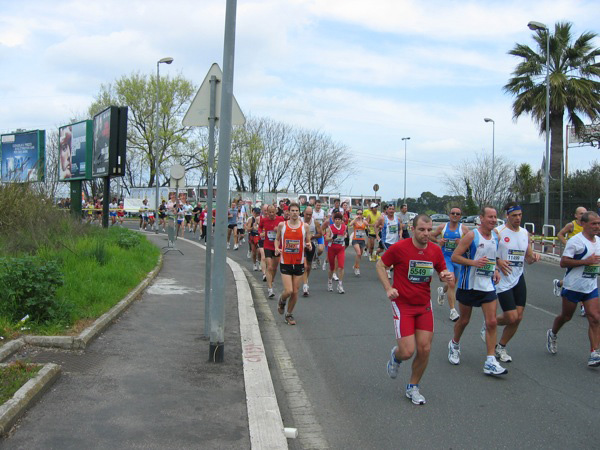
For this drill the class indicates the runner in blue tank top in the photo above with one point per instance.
(450, 234)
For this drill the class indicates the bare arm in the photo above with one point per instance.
(562, 234)
(567, 262)
(277, 238)
(307, 237)
(381, 269)
(461, 249)
(433, 236)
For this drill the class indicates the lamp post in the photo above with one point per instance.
(405, 139)
(487, 119)
(167, 60)
(538, 26)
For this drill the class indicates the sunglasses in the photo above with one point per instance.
(455, 214)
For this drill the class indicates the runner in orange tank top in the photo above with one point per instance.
(293, 236)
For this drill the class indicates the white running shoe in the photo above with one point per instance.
(324, 265)
(453, 353)
(330, 285)
(414, 394)
(594, 359)
(305, 290)
(264, 277)
(551, 341)
(235, 247)
(335, 277)
(493, 368)
(228, 246)
(502, 355)
(356, 272)
(392, 365)
(454, 315)
(314, 265)
(556, 287)
(441, 295)
(340, 288)
(248, 255)
(582, 311)
(256, 267)
(271, 293)
(482, 332)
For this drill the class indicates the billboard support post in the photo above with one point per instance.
(76, 198)
(105, 200)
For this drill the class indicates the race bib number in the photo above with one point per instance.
(516, 258)
(591, 271)
(271, 235)
(339, 239)
(360, 234)
(487, 270)
(393, 229)
(420, 271)
(291, 246)
(450, 245)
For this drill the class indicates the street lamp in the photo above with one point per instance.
(538, 26)
(487, 119)
(167, 60)
(405, 139)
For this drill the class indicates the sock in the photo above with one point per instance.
(410, 386)
(455, 344)
(501, 346)
(491, 358)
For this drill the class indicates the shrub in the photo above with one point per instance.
(28, 285)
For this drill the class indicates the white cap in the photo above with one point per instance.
(373, 205)
(599, 200)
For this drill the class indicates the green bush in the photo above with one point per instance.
(28, 285)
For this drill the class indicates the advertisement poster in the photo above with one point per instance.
(23, 156)
(101, 144)
(75, 145)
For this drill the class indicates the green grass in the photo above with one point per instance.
(13, 377)
(98, 273)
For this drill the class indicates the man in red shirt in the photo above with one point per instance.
(414, 261)
(268, 231)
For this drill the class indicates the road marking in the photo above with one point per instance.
(169, 286)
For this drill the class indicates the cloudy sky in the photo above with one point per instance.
(368, 73)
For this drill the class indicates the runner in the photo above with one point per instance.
(359, 236)
(261, 243)
(309, 253)
(336, 252)
(451, 233)
(121, 213)
(476, 252)
(232, 225)
(268, 230)
(319, 216)
(568, 231)
(144, 214)
(180, 212)
(112, 208)
(196, 212)
(162, 214)
(581, 258)
(372, 216)
(513, 250)
(404, 217)
(253, 237)
(241, 221)
(391, 230)
(188, 210)
(293, 237)
(346, 218)
(414, 261)
(151, 219)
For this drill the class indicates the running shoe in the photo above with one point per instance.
(289, 319)
(482, 332)
(356, 272)
(582, 311)
(305, 290)
(264, 277)
(392, 364)
(556, 287)
(281, 305)
(453, 353)
(335, 277)
(454, 315)
(594, 359)
(256, 267)
(414, 394)
(271, 293)
(314, 265)
(248, 255)
(324, 265)
(551, 341)
(502, 355)
(340, 288)
(235, 247)
(228, 246)
(493, 368)
(330, 285)
(441, 296)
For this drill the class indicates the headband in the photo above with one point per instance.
(513, 208)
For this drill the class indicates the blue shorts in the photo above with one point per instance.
(576, 297)
(452, 266)
(321, 240)
(112, 214)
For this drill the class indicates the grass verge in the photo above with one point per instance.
(14, 376)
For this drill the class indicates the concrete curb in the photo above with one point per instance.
(86, 336)
(264, 418)
(25, 397)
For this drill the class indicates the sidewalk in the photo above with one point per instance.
(146, 381)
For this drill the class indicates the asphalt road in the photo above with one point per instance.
(341, 345)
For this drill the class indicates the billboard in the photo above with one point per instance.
(109, 142)
(75, 150)
(22, 156)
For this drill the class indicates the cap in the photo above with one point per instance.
(373, 205)
(599, 200)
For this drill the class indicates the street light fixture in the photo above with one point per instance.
(167, 60)
(405, 139)
(487, 119)
(538, 26)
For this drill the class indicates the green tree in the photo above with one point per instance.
(526, 182)
(138, 92)
(573, 84)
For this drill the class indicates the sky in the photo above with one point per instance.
(368, 73)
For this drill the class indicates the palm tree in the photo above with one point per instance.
(573, 84)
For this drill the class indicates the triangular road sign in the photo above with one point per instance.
(199, 111)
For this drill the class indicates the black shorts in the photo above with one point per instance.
(405, 234)
(310, 254)
(196, 219)
(372, 236)
(188, 219)
(269, 253)
(292, 269)
(231, 226)
(261, 243)
(473, 298)
(516, 296)
(162, 215)
(241, 230)
(347, 241)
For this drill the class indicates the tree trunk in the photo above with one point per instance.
(556, 143)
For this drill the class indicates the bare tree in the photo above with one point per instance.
(278, 143)
(487, 188)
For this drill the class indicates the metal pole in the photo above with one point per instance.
(209, 203)
(217, 312)
(405, 139)
(156, 137)
(547, 178)
(493, 151)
